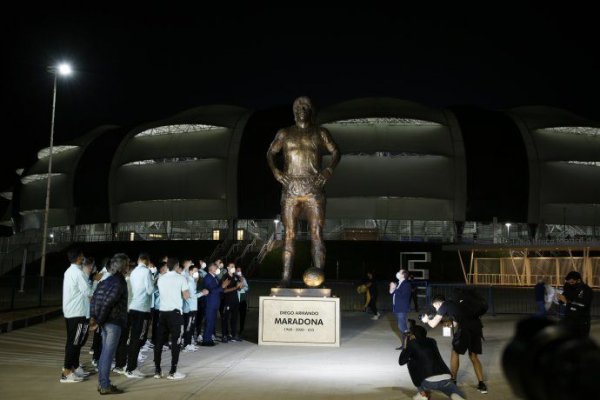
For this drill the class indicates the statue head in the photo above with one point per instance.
(303, 110)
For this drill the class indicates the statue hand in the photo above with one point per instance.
(281, 178)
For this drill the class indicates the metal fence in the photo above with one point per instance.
(17, 294)
(501, 299)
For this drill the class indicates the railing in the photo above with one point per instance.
(12, 298)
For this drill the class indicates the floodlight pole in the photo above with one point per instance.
(47, 208)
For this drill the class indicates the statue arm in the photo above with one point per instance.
(331, 148)
(275, 148)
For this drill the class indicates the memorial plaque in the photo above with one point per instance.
(299, 321)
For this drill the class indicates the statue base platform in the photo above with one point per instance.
(289, 318)
(300, 292)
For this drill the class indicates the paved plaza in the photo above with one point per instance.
(364, 367)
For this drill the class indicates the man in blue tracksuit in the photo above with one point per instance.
(401, 296)
(213, 301)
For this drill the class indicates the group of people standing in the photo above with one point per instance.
(177, 301)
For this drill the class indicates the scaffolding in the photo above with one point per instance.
(525, 266)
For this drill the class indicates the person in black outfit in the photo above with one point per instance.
(468, 334)
(540, 298)
(371, 285)
(427, 369)
(231, 305)
(577, 297)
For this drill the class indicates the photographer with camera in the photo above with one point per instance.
(577, 297)
(467, 334)
(427, 369)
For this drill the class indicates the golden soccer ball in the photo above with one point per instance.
(313, 277)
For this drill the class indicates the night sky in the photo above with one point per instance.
(135, 67)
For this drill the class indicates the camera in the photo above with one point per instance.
(549, 361)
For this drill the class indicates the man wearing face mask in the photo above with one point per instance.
(401, 295)
(577, 297)
(231, 305)
(201, 300)
(142, 290)
(213, 300)
(242, 295)
(191, 304)
(163, 269)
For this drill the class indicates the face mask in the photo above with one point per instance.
(232, 271)
(195, 275)
(239, 273)
(152, 270)
(217, 271)
(203, 265)
(399, 276)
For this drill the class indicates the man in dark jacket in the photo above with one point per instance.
(426, 367)
(401, 294)
(577, 297)
(109, 314)
(213, 301)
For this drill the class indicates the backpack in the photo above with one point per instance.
(472, 304)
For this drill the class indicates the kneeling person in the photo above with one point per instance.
(426, 366)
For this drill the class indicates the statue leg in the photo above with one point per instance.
(289, 215)
(316, 221)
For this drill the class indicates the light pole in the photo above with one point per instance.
(275, 221)
(507, 231)
(62, 69)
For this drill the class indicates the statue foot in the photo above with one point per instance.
(284, 283)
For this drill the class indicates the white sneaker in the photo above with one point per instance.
(418, 396)
(81, 373)
(94, 363)
(157, 375)
(120, 371)
(71, 378)
(190, 348)
(136, 373)
(176, 376)
(376, 316)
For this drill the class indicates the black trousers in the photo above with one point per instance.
(229, 317)
(121, 354)
(77, 329)
(189, 324)
(139, 323)
(200, 314)
(170, 326)
(373, 304)
(243, 312)
(155, 318)
(96, 345)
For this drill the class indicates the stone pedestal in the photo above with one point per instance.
(299, 320)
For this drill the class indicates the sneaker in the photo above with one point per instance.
(482, 388)
(208, 344)
(376, 316)
(157, 374)
(225, 339)
(190, 348)
(456, 396)
(214, 338)
(71, 378)
(420, 396)
(94, 363)
(136, 373)
(81, 373)
(120, 371)
(112, 389)
(176, 376)
(236, 339)
(91, 352)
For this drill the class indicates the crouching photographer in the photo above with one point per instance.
(548, 361)
(427, 369)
